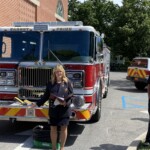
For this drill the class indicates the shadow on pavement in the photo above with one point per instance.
(109, 147)
(128, 89)
(16, 132)
(74, 130)
(125, 85)
(141, 119)
(121, 83)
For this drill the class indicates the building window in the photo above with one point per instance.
(60, 9)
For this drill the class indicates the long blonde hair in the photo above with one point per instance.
(53, 76)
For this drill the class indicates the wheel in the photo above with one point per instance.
(97, 115)
(140, 85)
(106, 93)
(106, 89)
(108, 80)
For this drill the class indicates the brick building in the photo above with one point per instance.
(32, 11)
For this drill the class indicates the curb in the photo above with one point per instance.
(134, 145)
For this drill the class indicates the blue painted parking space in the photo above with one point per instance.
(129, 102)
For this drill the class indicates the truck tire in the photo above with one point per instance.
(106, 90)
(97, 115)
(140, 85)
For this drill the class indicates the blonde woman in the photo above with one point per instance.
(59, 92)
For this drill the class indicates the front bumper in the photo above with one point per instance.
(136, 79)
(15, 111)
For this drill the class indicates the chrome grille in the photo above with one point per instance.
(32, 82)
(30, 94)
(34, 77)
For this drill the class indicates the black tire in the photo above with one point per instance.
(108, 80)
(140, 85)
(97, 115)
(106, 93)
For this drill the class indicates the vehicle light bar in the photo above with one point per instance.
(31, 24)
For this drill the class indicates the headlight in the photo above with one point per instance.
(69, 75)
(77, 75)
(2, 74)
(7, 82)
(10, 82)
(78, 101)
(2, 82)
(77, 78)
(77, 84)
(7, 77)
(10, 74)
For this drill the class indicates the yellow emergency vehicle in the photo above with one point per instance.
(139, 71)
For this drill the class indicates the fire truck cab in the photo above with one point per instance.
(139, 71)
(28, 53)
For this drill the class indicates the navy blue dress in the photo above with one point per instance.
(59, 115)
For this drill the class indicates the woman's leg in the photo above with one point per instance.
(53, 135)
(63, 137)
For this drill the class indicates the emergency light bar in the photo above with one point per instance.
(31, 24)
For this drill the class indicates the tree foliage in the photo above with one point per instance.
(134, 28)
(126, 27)
(83, 12)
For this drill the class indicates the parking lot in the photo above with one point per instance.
(124, 117)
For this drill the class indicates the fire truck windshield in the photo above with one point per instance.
(19, 45)
(68, 46)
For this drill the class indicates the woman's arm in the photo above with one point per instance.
(70, 93)
(46, 95)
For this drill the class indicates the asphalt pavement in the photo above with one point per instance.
(135, 143)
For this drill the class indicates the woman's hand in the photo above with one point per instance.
(63, 103)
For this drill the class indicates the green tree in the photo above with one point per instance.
(126, 28)
(83, 12)
(132, 29)
(106, 14)
(73, 9)
(97, 13)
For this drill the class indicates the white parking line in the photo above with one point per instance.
(27, 145)
(144, 111)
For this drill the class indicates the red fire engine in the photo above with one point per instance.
(28, 53)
